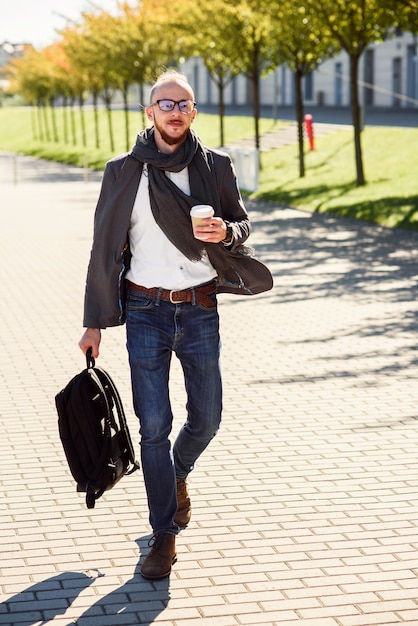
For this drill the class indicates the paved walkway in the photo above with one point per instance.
(286, 135)
(325, 120)
(305, 505)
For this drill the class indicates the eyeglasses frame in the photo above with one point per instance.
(174, 105)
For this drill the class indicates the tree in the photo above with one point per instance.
(255, 42)
(80, 54)
(59, 70)
(354, 24)
(233, 38)
(61, 73)
(405, 13)
(142, 49)
(206, 31)
(99, 55)
(302, 45)
(30, 76)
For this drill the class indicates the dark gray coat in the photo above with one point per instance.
(109, 260)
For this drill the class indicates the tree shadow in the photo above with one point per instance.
(138, 601)
(301, 196)
(23, 168)
(399, 210)
(316, 257)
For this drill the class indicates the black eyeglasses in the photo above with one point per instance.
(185, 106)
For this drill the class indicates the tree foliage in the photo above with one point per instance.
(255, 41)
(104, 52)
(209, 31)
(354, 24)
(302, 46)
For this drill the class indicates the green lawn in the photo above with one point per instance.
(17, 134)
(389, 198)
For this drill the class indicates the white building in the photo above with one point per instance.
(388, 77)
(10, 51)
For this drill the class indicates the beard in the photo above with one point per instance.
(171, 141)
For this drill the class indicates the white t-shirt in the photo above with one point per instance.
(156, 262)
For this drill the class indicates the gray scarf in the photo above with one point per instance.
(170, 206)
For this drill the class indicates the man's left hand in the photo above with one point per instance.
(212, 231)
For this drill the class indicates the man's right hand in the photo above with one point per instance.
(91, 339)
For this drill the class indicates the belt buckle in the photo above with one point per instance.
(171, 297)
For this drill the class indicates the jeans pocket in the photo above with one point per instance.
(138, 301)
(209, 308)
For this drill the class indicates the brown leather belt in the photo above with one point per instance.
(195, 295)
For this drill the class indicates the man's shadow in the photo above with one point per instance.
(43, 601)
(138, 601)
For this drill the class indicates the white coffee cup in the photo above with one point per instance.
(199, 212)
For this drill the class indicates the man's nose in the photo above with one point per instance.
(176, 108)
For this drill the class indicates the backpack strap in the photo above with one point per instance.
(91, 493)
(104, 382)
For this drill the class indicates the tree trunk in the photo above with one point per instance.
(110, 126)
(107, 97)
(34, 121)
(299, 118)
(46, 123)
(141, 99)
(40, 125)
(82, 121)
(65, 118)
(126, 109)
(72, 120)
(96, 119)
(256, 89)
(221, 109)
(255, 79)
(356, 117)
(54, 120)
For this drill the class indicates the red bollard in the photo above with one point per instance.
(310, 131)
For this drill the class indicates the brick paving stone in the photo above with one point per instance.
(374, 619)
(304, 505)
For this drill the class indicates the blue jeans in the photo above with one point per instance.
(155, 329)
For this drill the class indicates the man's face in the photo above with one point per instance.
(171, 127)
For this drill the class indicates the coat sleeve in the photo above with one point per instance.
(103, 301)
(232, 205)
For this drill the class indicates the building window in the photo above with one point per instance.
(369, 78)
(338, 83)
(396, 81)
(308, 86)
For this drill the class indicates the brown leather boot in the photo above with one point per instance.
(184, 508)
(161, 557)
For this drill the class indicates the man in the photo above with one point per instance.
(147, 267)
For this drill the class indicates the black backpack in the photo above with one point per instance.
(96, 440)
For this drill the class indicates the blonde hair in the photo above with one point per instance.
(171, 76)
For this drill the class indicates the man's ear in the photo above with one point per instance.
(149, 112)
